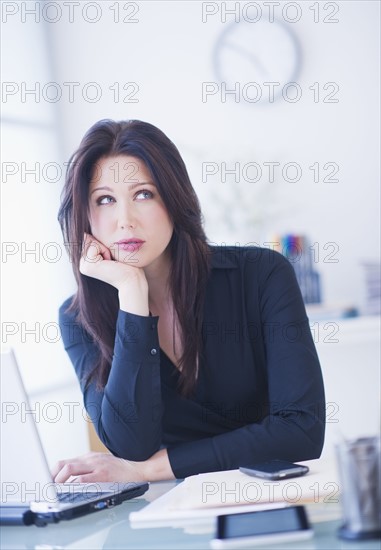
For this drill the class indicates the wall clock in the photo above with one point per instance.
(260, 53)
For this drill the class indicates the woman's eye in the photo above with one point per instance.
(144, 194)
(105, 200)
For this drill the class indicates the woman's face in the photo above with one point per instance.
(127, 213)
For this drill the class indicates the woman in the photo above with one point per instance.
(191, 357)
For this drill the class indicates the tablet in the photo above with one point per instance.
(262, 527)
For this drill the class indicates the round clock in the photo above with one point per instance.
(256, 60)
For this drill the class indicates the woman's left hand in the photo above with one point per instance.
(94, 466)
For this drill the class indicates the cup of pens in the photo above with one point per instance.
(359, 465)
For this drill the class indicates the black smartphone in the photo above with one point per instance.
(275, 469)
(262, 527)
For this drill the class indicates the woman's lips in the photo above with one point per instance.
(131, 245)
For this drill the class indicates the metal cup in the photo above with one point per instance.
(359, 467)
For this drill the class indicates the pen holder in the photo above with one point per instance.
(359, 470)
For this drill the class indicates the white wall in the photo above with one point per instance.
(168, 54)
(35, 273)
(349, 354)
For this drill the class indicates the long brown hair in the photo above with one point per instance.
(188, 246)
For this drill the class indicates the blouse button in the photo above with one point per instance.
(153, 326)
(153, 351)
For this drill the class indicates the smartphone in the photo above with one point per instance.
(273, 526)
(275, 469)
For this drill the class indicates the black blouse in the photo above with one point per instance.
(259, 393)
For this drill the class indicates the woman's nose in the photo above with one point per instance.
(126, 218)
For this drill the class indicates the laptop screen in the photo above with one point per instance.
(24, 471)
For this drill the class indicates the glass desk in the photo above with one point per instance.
(110, 529)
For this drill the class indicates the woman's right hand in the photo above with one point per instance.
(130, 281)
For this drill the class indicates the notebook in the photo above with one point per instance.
(28, 493)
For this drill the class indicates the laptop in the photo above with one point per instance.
(28, 494)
